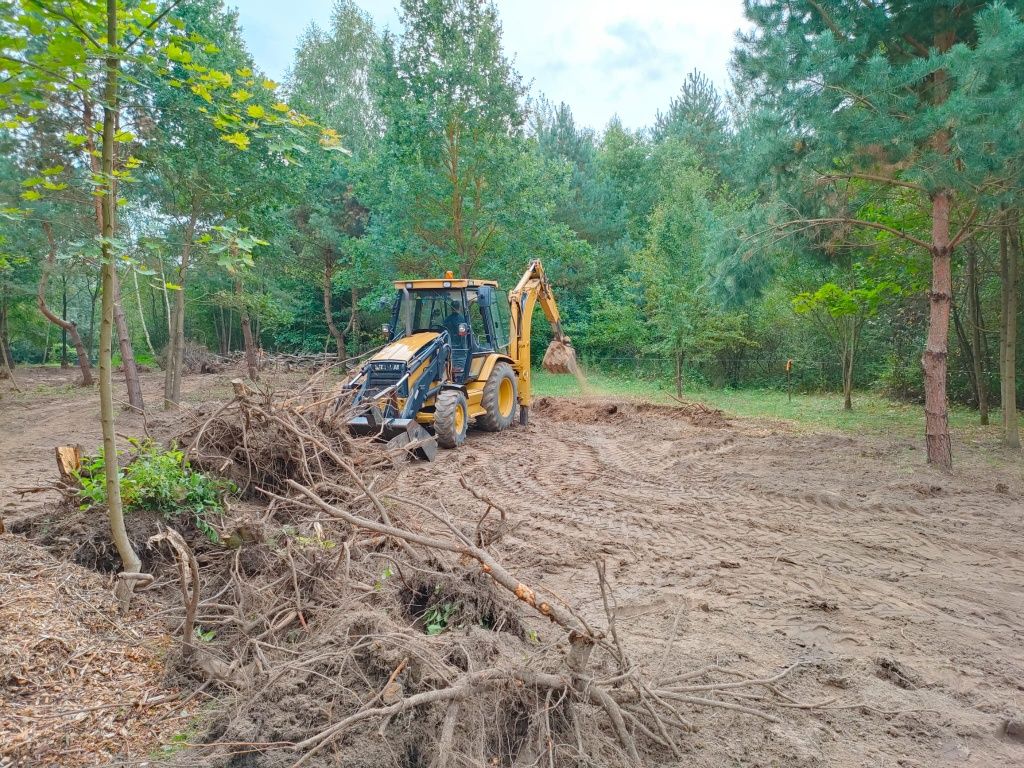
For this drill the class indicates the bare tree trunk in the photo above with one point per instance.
(167, 303)
(175, 354)
(69, 327)
(848, 378)
(115, 513)
(5, 335)
(8, 370)
(679, 371)
(1009, 256)
(339, 336)
(974, 316)
(94, 297)
(965, 348)
(218, 331)
(64, 363)
(934, 361)
(46, 344)
(223, 321)
(6, 356)
(251, 364)
(353, 321)
(142, 313)
(128, 366)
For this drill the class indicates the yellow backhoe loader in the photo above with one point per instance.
(458, 351)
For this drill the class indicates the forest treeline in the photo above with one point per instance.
(851, 203)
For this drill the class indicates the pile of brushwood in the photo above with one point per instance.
(196, 358)
(344, 624)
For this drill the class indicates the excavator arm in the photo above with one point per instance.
(560, 357)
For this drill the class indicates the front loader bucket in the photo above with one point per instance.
(408, 434)
(397, 433)
(560, 357)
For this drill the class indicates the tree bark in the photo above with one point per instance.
(965, 348)
(353, 320)
(251, 363)
(70, 328)
(848, 379)
(339, 335)
(1009, 257)
(6, 356)
(167, 303)
(124, 339)
(223, 320)
(8, 369)
(974, 317)
(5, 334)
(64, 363)
(176, 339)
(142, 313)
(934, 361)
(679, 371)
(94, 296)
(115, 513)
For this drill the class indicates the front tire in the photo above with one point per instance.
(451, 418)
(501, 392)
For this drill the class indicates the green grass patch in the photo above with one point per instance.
(871, 412)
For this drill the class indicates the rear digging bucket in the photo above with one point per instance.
(560, 357)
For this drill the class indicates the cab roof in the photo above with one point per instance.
(446, 282)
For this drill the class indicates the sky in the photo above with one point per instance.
(602, 57)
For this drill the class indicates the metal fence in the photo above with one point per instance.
(804, 375)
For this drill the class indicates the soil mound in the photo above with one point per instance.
(606, 411)
(581, 411)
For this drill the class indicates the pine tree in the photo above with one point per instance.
(452, 153)
(918, 98)
(697, 117)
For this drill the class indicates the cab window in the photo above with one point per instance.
(501, 320)
(478, 324)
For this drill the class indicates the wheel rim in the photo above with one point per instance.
(506, 397)
(460, 419)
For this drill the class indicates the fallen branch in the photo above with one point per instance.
(184, 558)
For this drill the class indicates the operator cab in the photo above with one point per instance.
(473, 314)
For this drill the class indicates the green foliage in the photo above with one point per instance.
(840, 302)
(386, 574)
(664, 243)
(436, 619)
(160, 481)
(454, 184)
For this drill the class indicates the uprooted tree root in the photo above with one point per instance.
(354, 626)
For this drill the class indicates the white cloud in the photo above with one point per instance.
(602, 57)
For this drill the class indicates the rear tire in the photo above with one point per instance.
(451, 418)
(501, 392)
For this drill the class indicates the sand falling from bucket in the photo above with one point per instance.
(560, 357)
(581, 379)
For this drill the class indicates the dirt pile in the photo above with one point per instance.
(607, 411)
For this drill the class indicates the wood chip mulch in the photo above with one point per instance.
(80, 684)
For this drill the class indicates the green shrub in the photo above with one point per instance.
(158, 481)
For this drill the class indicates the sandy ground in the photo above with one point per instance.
(739, 543)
